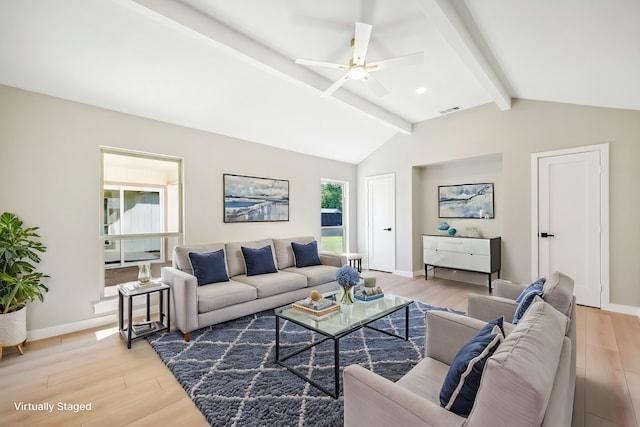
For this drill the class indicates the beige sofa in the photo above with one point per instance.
(194, 307)
(526, 382)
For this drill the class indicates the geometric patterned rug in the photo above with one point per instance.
(229, 369)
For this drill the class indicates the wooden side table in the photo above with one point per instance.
(132, 330)
(354, 259)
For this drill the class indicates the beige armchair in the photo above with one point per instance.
(557, 291)
(516, 389)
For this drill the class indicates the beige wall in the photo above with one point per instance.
(50, 178)
(487, 133)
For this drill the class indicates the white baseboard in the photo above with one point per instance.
(67, 328)
(403, 273)
(94, 322)
(620, 308)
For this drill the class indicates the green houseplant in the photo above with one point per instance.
(20, 283)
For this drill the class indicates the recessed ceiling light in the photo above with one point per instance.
(421, 90)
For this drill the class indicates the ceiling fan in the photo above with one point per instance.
(358, 68)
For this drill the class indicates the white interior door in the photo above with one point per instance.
(569, 221)
(381, 230)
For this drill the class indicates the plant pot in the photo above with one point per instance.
(13, 328)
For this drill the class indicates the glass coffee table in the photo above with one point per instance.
(336, 325)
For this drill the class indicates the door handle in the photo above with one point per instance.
(545, 235)
(387, 229)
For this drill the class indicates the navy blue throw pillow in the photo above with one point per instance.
(462, 382)
(209, 267)
(535, 286)
(258, 261)
(306, 254)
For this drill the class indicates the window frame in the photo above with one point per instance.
(345, 214)
(168, 237)
(122, 188)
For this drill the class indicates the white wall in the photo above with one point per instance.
(50, 177)
(529, 127)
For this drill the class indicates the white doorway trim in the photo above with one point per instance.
(604, 215)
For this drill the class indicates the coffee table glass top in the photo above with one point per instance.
(349, 317)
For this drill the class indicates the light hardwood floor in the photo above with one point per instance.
(133, 387)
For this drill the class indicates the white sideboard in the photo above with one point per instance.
(477, 254)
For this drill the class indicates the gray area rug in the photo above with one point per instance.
(229, 369)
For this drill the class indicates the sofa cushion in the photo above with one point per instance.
(209, 267)
(306, 254)
(181, 253)
(461, 384)
(558, 291)
(274, 283)
(284, 251)
(258, 261)
(519, 377)
(235, 260)
(219, 295)
(316, 274)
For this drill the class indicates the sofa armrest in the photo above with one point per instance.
(371, 400)
(447, 332)
(184, 298)
(487, 308)
(506, 289)
(335, 260)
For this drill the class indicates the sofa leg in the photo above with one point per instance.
(187, 336)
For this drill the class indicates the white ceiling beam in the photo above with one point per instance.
(443, 16)
(263, 57)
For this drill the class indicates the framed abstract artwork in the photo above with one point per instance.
(252, 199)
(466, 201)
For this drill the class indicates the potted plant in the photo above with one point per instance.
(20, 283)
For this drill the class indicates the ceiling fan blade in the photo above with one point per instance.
(335, 86)
(321, 64)
(413, 59)
(361, 42)
(375, 86)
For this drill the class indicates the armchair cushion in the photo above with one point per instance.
(306, 254)
(258, 261)
(209, 267)
(461, 384)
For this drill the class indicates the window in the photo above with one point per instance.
(333, 214)
(141, 213)
(130, 210)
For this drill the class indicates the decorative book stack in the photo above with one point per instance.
(317, 308)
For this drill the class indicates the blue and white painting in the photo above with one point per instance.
(466, 201)
(251, 199)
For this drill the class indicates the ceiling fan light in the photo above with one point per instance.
(421, 90)
(357, 73)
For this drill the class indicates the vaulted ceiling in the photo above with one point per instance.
(228, 67)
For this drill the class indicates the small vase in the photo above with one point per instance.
(347, 295)
(144, 273)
